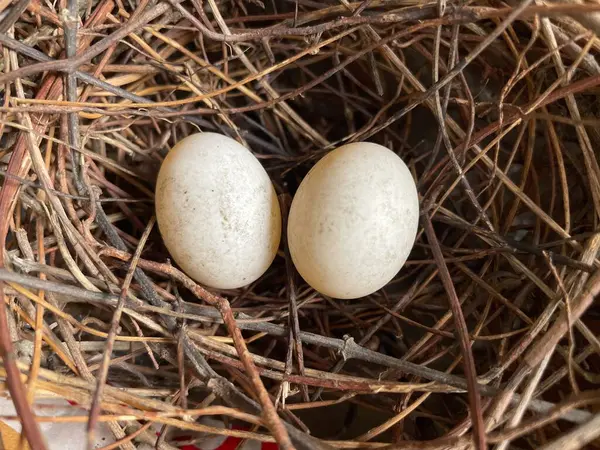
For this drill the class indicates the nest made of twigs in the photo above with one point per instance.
(487, 337)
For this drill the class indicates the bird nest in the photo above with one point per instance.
(488, 337)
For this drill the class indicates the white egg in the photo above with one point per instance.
(217, 211)
(353, 220)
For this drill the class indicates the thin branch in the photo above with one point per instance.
(462, 335)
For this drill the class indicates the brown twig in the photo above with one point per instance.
(114, 325)
(462, 334)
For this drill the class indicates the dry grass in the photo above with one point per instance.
(487, 338)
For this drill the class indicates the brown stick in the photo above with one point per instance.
(463, 335)
(110, 340)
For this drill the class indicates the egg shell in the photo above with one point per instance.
(353, 220)
(217, 211)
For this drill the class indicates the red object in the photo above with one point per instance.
(230, 443)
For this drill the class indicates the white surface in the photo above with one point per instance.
(217, 211)
(59, 436)
(353, 220)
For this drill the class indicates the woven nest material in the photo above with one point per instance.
(488, 337)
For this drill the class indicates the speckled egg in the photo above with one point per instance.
(353, 220)
(217, 211)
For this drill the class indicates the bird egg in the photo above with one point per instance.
(353, 220)
(217, 211)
